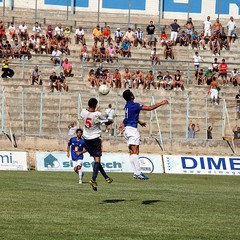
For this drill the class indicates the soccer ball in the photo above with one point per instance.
(104, 89)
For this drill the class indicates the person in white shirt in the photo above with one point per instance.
(92, 119)
(58, 31)
(79, 36)
(231, 26)
(110, 115)
(23, 33)
(207, 26)
(196, 61)
(12, 31)
(37, 30)
(56, 56)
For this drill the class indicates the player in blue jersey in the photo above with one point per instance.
(131, 132)
(77, 146)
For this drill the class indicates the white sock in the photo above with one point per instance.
(80, 174)
(131, 158)
(137, 169)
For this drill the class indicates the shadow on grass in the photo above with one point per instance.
(112, 201)
(149, 202)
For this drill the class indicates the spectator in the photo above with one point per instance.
(58, 32)
(117, 78)
(12, 31)
(150, 34)
(215, 65)
(35, 76)
(207, 27)
(91, 78)
(107, 35)
(138, 78)
(84, 55)
(109, 115)
(234, 78)
(183, 39)
(231, 27)
(23, 33)
(62, 83)
(139, 38)
(7, 71)
(149, 80)
(194, 40)
(37, 30)
(189, 28)
(126, 48)
(67, 68)
(118, 36)
(63, 46)
(43, 45)
(159, 80)
(238, 105)
(168, 81)
(129, 35)
(67, 34)
(54, 82)
(196, 61)
(127, 79)
(7, 50)
(103, 53)
(200, 77)
(96, 53)
(155, 57)
(178, 82)
(16, 49)
(163, 38)
(201, 41)
(192, 131)
(56, 56)
(32, 44)
(208, 76)
(236, 132)
(71, 129)
(168, 50)
(25, 51)
(2, 31)
(79, 36)
(217, 27)
(224, 43)
(174, 31)
(215, 47)
(97, 34)
(112, 53)
(223, 72)
(49, 32)
(209, 132)
(214, 88)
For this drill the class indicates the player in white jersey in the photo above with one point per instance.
(92, 119)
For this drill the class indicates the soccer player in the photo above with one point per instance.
(77, 145)
(92, 119)
(131, 133)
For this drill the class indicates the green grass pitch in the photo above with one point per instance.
(52, 205)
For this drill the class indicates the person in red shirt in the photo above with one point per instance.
(117, 78)
(107, 35)
(223, 72)
(163, 38)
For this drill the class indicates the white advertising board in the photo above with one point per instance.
(13, 160)
(112, 162)
(212, 165)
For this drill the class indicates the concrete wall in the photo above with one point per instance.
(199, 9)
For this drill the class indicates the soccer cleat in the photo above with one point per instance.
(80, 182)
(135, 176)
(109, 180)
(93, 184)
(141, 176)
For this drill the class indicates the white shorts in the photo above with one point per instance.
(77, 163)
(207, 33)
(174, 36)
(214, 93)
(132, 136)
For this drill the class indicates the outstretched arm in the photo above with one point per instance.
(141, 123)
(152, 107)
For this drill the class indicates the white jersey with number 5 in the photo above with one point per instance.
(91, 123)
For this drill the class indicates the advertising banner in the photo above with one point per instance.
(13, 160)
(112, 162)
(215, 165)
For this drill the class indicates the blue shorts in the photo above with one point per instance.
(238, 108)
(94, 147)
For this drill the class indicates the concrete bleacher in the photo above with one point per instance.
(25, 103)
